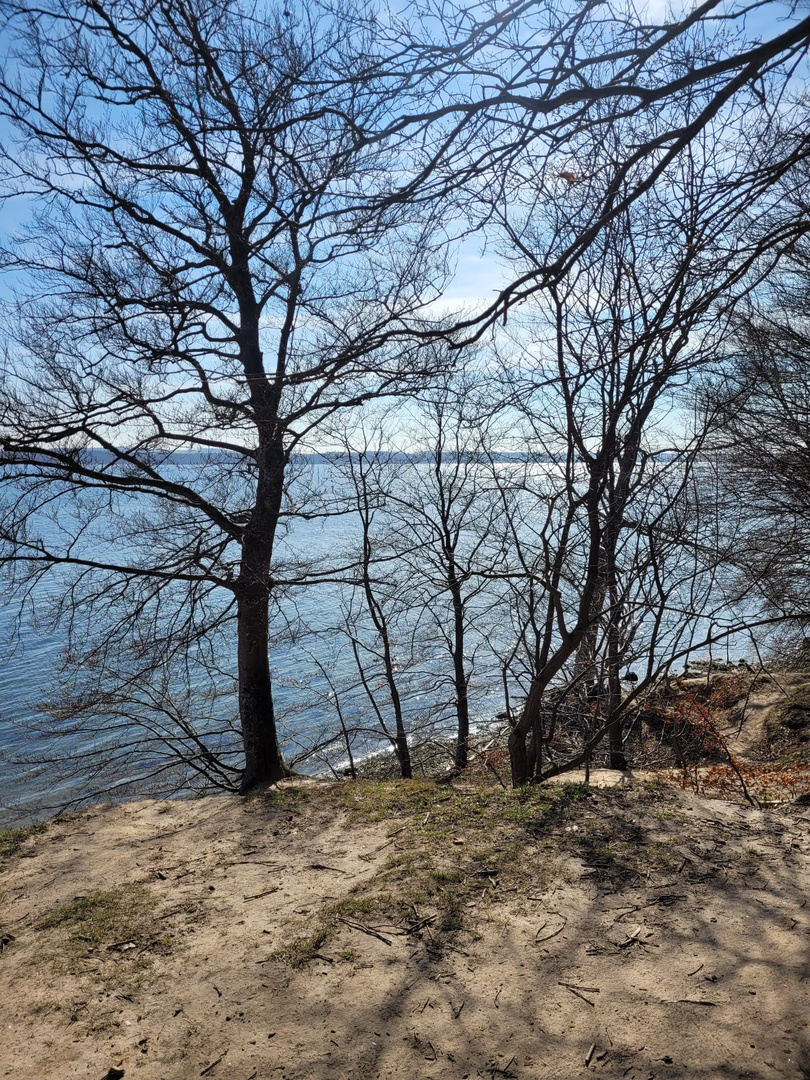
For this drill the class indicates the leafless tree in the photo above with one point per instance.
(236, 219)
(759, 404)
(216, 252)
(621, 336)
(438, 502)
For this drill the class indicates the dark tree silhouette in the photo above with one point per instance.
(237, 216)
(217, 252)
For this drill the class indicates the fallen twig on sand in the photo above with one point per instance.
(575, 990)
(259, 895)
(364, 929)
(548, 937)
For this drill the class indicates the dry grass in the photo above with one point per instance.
(12, 840)
(787, 728)
(114, 921)
(461, 850)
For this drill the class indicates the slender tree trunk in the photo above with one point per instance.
(518, 754)
(378, 618)
(263, 761)
(459, 674)
(401, 748)
(616, 730)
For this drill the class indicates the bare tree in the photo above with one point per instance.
(236, 219)
(439, 501)
(443, 513)
(759, 405)
(363, 468)
(622, 335)
(216, 253)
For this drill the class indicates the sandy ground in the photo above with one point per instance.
(697, 967)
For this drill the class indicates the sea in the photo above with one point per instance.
(330, 694)
(320, 693)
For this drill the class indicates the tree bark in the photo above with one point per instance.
(263, 760)
(459, 674)
(264, 763)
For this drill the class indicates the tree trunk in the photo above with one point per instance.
(616, 730)
(263, 761)
(615, 736)
(459, 674)
(463, 715)
(518, 757)
(401, 748)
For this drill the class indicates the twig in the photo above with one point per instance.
(174, 911)
(694, 1001)
(457, 1011)
(590, 1054)
(492, 768)
(496, 1069)
(412, 929)
(666, 899)
(576, 993)
(548, 937)
(259, 895)
(323, 866)
(364, 929)
(697, 969)
(213, 1064)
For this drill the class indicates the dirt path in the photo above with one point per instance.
(647, 931)
(747, 737)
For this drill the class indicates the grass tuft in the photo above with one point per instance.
(11, 840)
(455, 850)
(114, 919)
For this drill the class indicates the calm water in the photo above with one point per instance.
(302, 668)
(310, 660)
